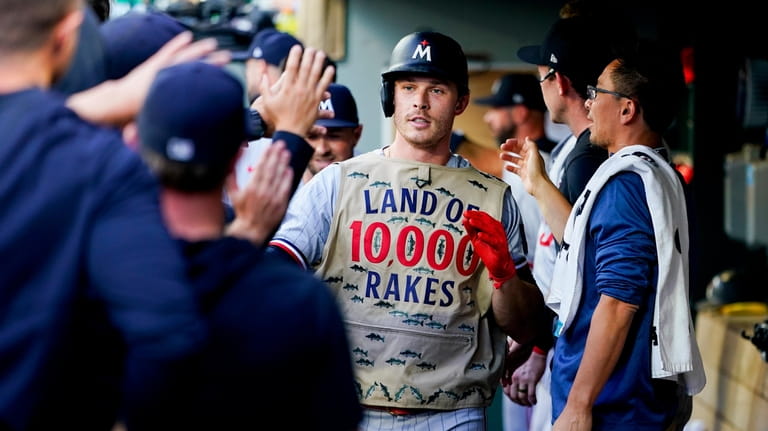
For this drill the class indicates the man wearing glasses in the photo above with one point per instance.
(572, 56)
(626, 357)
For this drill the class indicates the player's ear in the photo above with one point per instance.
(461, 104)
(67, 30)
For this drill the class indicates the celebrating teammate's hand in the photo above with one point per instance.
(523, 158)
(291, 103)
(490, 243)
(261, 204)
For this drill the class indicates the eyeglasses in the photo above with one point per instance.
(592, 92)
(550, 72)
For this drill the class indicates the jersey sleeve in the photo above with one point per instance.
(315, 200)
(512, 220)
(621, 226)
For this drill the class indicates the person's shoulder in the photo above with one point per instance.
(481, 157)
(34, 106)
(625, 186)
(46, 113)
(358, 158)
(236, 258)
(302, 283)
(290, 289)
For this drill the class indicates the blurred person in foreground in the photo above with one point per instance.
(99, 312)
(191, 131)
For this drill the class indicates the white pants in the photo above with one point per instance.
(469, 419)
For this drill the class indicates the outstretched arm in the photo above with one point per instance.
(116, 102)
(524, 159)
(290, 105)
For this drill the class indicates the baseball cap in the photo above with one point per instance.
(271, 45)
(87, 68)
(515, 89)
(193, 114)
(132, 38)
(576, 47)
(343, 106)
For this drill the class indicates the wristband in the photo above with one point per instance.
(254, 125)
(538, 350)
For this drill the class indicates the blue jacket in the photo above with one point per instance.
(92, 287)
(276, 339)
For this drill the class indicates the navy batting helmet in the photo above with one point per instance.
(426, 53)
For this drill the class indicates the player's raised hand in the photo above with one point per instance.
(260, 206)
(291, 103)
(522, 158)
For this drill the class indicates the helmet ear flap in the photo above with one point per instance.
(387, 94)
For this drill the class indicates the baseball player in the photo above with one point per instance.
(336, 139)
(409, 239)
(192, 128)
(266, 59)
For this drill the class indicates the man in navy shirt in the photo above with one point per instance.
(268, 319)
(626, 357)
(92, 285)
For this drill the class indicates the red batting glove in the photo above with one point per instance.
(489, 240)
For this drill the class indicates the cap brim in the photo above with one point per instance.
(335, 123)
(488, 101)
(240, 55)
(531, 54)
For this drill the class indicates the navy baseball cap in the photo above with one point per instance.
(132, 38)
(270, 45)
(193, 114)
(343, 106)
(515, 89)
(576, 47)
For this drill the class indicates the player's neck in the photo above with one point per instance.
(579, 123)
(438, 153)
(193, 216)
(635, 136)
(19, 72)
(307, 176)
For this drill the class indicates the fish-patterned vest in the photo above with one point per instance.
(414, 295)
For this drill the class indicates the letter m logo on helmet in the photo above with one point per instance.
(423, 50)
(425, 53)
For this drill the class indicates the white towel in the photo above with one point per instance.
(677, 354)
